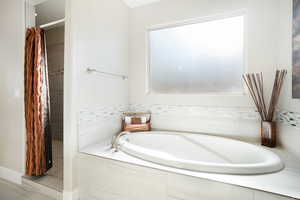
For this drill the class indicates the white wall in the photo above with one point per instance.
(30, 20)
(97, 37)
(262, 39)
(103, 45)
(70, 106)
(268, 47)
(98, 33)
(12, 123)
(101, 39)
(288, 135)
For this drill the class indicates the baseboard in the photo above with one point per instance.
(10, 175)
(73, 195)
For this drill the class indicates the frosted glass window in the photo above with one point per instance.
(206, 57)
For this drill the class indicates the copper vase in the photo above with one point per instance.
(268, 134)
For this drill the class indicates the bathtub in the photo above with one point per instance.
(198, 152)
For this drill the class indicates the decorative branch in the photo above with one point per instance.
(255, 84)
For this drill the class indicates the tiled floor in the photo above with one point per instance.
(54, 177)
(9, 191)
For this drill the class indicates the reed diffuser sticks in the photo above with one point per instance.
(255, 84)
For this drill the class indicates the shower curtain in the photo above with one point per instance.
(37, 104)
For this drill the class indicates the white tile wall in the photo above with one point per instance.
(267, 196)
(99, 124)
(137, 3)
(100, 121)
(102, 45)
(289, 118)
(103, 179)
(215, 120)
(189, 188)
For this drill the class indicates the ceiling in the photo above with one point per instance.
(52, 10)
(49, 10)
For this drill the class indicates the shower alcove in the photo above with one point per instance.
(49, 15)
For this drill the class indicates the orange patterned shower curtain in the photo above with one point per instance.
(37, 106)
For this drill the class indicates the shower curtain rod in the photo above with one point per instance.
(52, 23)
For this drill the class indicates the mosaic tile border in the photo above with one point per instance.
(101, 113)
(198, 111)
(114, 112)
(289, 118)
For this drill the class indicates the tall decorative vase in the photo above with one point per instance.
(268, 134)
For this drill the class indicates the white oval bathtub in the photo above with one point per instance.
(198, 152)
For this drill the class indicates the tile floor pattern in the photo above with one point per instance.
(54, 177)
(9, 191)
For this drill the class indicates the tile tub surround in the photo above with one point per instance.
(99, 123)
(215, 120)
(285, 182)
(114, 112)
(203, 120)
(93, 121)
(236, 113)
(289, 118)
(101, 178)
(111, 112)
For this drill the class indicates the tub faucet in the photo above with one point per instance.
(115, 141)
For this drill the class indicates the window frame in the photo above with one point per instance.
(243, 13)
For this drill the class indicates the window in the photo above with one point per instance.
(206, 57)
